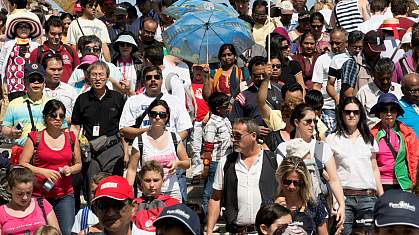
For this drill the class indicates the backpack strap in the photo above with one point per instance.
(33, 128)
(81, 30)
(39, 54)
(140, 147)
(41, 205)
(318, 152)
(175, 142)
(70, 50)
(272, 158)
(38, 136)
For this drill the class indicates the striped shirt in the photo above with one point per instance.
(218, 132)
(348, 15)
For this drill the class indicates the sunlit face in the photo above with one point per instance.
(55, 119)
(151, 183)
(227, 57)
(152, 82)
(258, 73)
(292, 182)
(125, 49)
(98, 77)
(338, 42)
(55, 35)
(305, 127)
(259, 15)
(276, 68)
(242, 139)
(67, 22)
(317, 26)
(23, 29)
(356, 47)
(90, 9)
(383, 81)
(158, 116)
(53, 71)
(114, 215)
(34, 84)
(242, 6)
(148, 32)
(21, 194)
(388, 115)
(351, 114)
(308, 45)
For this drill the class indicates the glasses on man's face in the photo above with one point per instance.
(237, 136)
(276, 66)
(154, 114)
(414, 92)
(55, 115)
(152, 76)
(336, 43)
(310, 121)
(349, 111)
(149, 33)
(98, 76)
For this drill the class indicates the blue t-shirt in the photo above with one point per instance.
(410, 116)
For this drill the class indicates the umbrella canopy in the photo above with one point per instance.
(197, 37)
(181, 7)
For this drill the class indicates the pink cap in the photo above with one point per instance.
(88, 60)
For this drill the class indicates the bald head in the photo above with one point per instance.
(410, 87)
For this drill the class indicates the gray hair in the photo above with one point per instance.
(384, 66)
(340, 30)
(98, 64)
(250, 124)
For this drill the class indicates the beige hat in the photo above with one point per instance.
(297, 148)
(286, 7)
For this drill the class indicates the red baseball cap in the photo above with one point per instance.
(115, 187)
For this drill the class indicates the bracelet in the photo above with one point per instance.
(206, 162)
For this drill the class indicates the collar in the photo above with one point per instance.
(376, 91)
(26, 97)
(58, 87)
(46, 47)
(92, 95)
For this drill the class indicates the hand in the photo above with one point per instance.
(206, 69)
(205, 172)
(264, 131)
(65, 170)
(51, 175)
(173, 166)
(281, 201)
(16, 133)
(268, 71)
(124, 84)
(340, 217)
(339, 229)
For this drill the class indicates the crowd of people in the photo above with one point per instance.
(104, 120)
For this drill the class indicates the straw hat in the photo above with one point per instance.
(390, 24)
(27, 17)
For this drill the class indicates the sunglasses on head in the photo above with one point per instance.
(154, 114)
(33, 79)
(149, 77)
(54, 115)
(288, 182)
(349, 111)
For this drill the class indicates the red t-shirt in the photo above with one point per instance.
(69, 63)
(53, 159)
(202, 106)
(404, 23)
(30, 223)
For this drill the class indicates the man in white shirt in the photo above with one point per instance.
(377, 9)
(88, 24)
(368, 94)
(56, 89)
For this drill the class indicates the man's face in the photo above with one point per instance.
(90, 9)
(258, 73)
(98, 78)
(338, 42)
(398, 230)
(114, 215)
(148, 31)
(120, 19)
(383, 81)
(145, 7)
(54, 35)
(356, 48)
(286, 18)
(259, 15)
(242, 6)
(410, 89)
(242, 139)
(34, 84)
(153, 82)
(304, 25)
(53, 71)
(151, 183)
(299, 5)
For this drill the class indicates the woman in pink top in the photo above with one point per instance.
(23, 214)
(54, 163)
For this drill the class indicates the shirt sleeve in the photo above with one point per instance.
(127, 116)
(210, 131)
(333, 71)
(76, 115)
(327, 153)
(321, 213)
(183, 121)
(274, 121)
(219, 175)
(317, 76)
(135, 144)
(349, 72)
(295, 67)
(9, 117)
(72, 33)
(47, 206)
(104, 33)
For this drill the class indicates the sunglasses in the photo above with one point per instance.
(283, 48)
(23, 26)
(125, 44)
(288, 182)
(277, 66)
(106, 204)
(280, 229)
(54, 115)
(34, 79)
(388, 109)
(153, 114)
(310, 121)
(92, 49)
(239, 136)
(149, 77)
(349, 111)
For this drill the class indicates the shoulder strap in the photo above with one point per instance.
(39, 54)
(36, 141)
(67, 134)
(175, 142)
(80, 27)
(70, 50)
(140, 146)
(30, 115)
(318, 152)
(231, 159)
(140, 119)
(41, 205)
(393, 151)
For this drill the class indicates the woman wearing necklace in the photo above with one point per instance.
(53, 161)
(229, 77)
(355, 151)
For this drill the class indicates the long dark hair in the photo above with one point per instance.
(341, 128)
(160, 103)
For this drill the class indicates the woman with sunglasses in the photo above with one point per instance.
(295, 193)
(303, 120)
(53, 155)
(276, 69)
(23, 213)
(398, 154)
(157, 143)
(306, 57)
(355, 151)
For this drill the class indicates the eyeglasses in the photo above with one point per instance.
(388, 109)
(23, 26)
(413, 92)
(106, 204)
(283, 48)
(154, 114)
(239, 136)
(349, 111)
(92, 49)
(55, 115)
(98, 75)
(288, 182)
(257, 15)
(91, 5)
(278, 66)
(151, 76)
(280, 229)
(316, 26)
(310, 121)
(337, 43)
(125, 44)
(33, 79)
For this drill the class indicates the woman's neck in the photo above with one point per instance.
(155, 133)
(227, 67)
(353, 130)
(125, 57)
(17, 207)
(305, 138)
(293, 199)
(54, 132)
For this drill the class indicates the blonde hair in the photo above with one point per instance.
(320, 4)
(47, 230)
(296, 164)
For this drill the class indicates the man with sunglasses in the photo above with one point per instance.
(410, 101)
(88, 24)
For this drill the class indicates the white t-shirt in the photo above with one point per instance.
(164, 156)
(321, 75)
(182, 81)
(137, 104)
(324, 158)
(64, 93)
(90, 27)
(91, 220)
(353, 161)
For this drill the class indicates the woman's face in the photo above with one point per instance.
(151, 183)
(351, 115)
(125, 48)
(227, 58)
(21, 194)
(285, 49)
(276, 68)
(388, 115)
(292, 182)
(317, 26)
(305, 127)
(308, 45)
(23, 30)
(67, 22)
(55, 119)
(158, 116)
(280, 224)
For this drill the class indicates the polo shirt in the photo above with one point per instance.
(368, 95)
(17, 112)
(64, 93)
(410, 116)
(321, 75)
(89, 111)
(69, 62)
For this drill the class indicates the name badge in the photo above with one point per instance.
(96, 130)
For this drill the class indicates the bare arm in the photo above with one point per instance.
(317, 86)
(364, 9)
(132, 166)
(52, 220)
(299, 78)
(336, 189)
(11, 132)
(106, 52)
(349, 92)
(261, 100)
(132, 132)
(183, 161)
(76, 167)
(183, 134)
(213, 209)
(377, 176)
(330, 88)
(322, 229)
(75, 129)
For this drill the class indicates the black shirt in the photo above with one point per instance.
(89, 111)
(289, 70)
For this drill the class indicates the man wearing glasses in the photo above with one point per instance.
(146, 35)
(410, 101)
(88, 24)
